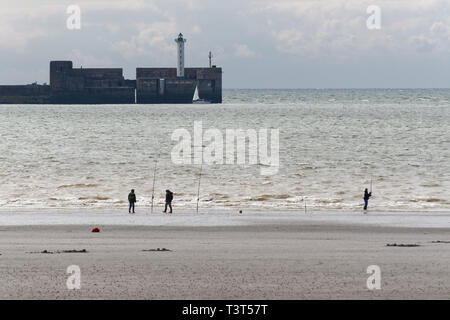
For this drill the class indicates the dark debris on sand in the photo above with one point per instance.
(440, 241)
(156, 250)
(402, 245)
(62, 251)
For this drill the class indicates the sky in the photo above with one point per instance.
(259, 44)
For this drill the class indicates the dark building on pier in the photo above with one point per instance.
(161, 85)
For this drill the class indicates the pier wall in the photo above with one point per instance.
(25, 94)
(70, 85)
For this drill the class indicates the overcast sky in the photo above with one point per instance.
(259, 44)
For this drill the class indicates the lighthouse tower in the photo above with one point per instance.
(180, 55)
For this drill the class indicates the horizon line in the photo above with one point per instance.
(346, 88)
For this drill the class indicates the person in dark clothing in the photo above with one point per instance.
(131, 200)
(169, 198)
(367, 195)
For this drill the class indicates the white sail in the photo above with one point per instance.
(196, 97)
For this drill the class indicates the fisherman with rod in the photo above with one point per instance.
(367, 195)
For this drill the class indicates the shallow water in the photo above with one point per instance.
(332, 144)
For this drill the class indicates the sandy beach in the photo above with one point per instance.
(265, 259)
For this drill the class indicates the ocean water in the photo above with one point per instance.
(333, 143)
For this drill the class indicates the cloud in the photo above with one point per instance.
(196, 29)
(24, 21)
(152, 40)
(14, 39)
(338, 27)
(114, 5)
(440, 30)
(243, 51)
(422, 43)
(89, 60)
(18, 27)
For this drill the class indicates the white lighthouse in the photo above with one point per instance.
(180, 55)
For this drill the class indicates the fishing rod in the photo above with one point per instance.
(154, 179)
(304, 199)
(198, 189)
(199, 180)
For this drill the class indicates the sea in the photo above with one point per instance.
(332, 144)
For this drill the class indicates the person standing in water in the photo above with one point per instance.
(169, 198)
(367, 195)
(131, 200)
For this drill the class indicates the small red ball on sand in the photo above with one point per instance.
(96, 230)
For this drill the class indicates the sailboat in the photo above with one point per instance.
(196, 99)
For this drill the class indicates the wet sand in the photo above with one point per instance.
(267, 261)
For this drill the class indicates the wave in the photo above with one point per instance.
(265, 197)
(94, 198)
(79, 185)
(329, 201)
(428, 200)
(430, 185)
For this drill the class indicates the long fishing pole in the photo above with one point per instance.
(304, 199)
(154, 179)
(199, 180)
(370, 185)
(198, 189)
